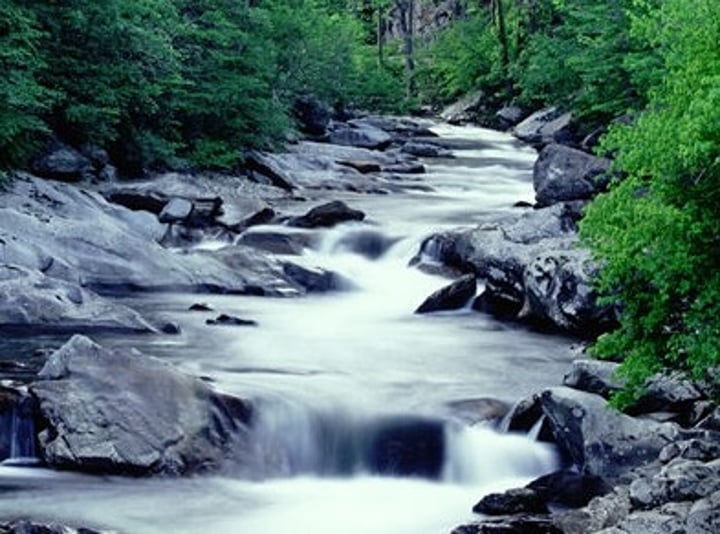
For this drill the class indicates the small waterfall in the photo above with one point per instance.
(17, 446)
(295, 440)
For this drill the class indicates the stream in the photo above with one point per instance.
(336, 376)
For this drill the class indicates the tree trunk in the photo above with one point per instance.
(407, 12)
(380, 35)
(498, 14)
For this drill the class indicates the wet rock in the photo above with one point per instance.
(313, 115)
(405, 168)
(360, 135)
(276, 242)
(594, 376)
(513, 501)
(450, 297)
(602, 512)
(327, 215)
(170, 328)
(407, 447)
(118, 411)
(31, 303)
(704, 515)
(175, 211)
(315, 280)
(474, 411)
(668, 392)
(509, 116)
(425, 150)
(23, 526)
(138, 200)
(62, 162)
(401, 128)
(599, 440)
(569, 488)
(518, 524)
(371, 244)
(562, 173)
(230, 320)
(200, 306)
(546, 126)
(363, 167)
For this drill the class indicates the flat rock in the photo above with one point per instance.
(549, 125)
(118, 411)
(31, 302)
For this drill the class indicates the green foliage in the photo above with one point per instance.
(657, 233)
(22, 97)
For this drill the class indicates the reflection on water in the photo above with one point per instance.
(329, 371)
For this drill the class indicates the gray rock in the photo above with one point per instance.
(601, 513)
(315, 280)
(704, 516)
(513, 501)
(562, 173)
(117, 411)
(546, 126)
(313, 115)
(474, 411)
(23, 526)
(360, 135)
(594, 376)
(568, 488)
(175, 211)
(691, 449)
(509, 116)
(515, 524)
(671, 392)
(451, 297)
(62, 162)
(680, 480)
(230, 320)
(652, 522)
(425, 150)
(600, 440)
(327, 215)
(276, 242)
(31, 302)
(468, 109)
(401, 128)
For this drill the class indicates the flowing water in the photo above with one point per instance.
(340, 379)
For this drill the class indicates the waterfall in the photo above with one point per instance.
(18, 429)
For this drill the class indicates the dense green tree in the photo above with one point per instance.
(657, 233)
(23, 98)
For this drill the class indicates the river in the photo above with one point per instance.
(332, 374)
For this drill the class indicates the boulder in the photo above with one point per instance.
(509, 116)
(678, 481)
(327, 215)
(62, 162)
(704, 516)
(594, 376)
(315, 280)
(469, 108)
(33, 303)
(401, 128)
(568, 488)
(425, 150)
(363, 167)
(598, 439)
(481, 410)
(360, 135)
(515, 524)
(118, 411)
(450, 297)
(546, 126)
(312, 114)
(22, 526)
(668, 392)
(275, 242)
(366, 242)
(602, 512)
(177, 210)
(562, 173)
(513, 501)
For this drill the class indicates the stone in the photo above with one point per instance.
(549, 125)
(120, 412)
(468, 109)
(516, 524)
(704, 516)
(601, 513)
(200, 306)
(371, 244)
(513, 501)
(230, 320)
(312, 114)
(361, 136)
(600, 440)
(509, 116)
(171, 328)
(327, 215)
(363, 167)
(562, 173)
(425, 150)
(692, 449)
(594, 376)
(31, 302)
(177, 210)
(62, 162)
(668, 391)
(568, 488)
(315, 280)
(275, 242)
(679, 480)
(450, 297)
(481, 410)
(23, 526)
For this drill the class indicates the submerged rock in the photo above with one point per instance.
(327, 215)
(118, 411)
(230, 320)
(450, 297)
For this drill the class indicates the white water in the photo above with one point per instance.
(343, 361)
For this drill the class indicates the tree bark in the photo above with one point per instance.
(407, 15)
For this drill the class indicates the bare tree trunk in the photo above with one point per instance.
(498, 14)
(407, 14)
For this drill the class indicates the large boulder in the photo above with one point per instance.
(451, 297)
(562, 173)
(469, 108)
(598, 439)
(62, 162)
(361, 135)
(313, 115)
(546, 126)
(22, 526)
(118, 411)
(425, 150)
(594, 376)
(44, 226)
(31, 302)
(327, 215)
